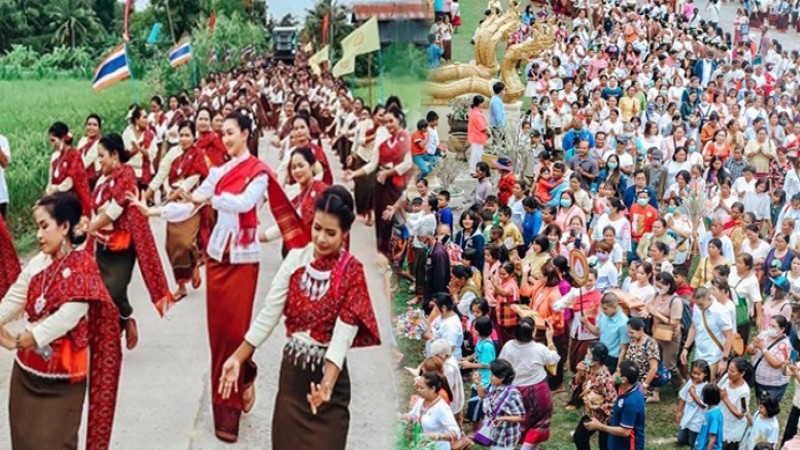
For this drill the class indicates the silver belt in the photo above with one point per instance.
(304, 353)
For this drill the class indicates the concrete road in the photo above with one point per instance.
(164, 400)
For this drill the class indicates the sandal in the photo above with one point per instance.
(249, 398)
(131, 334)
(197, 280)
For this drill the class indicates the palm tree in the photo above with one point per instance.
(337, 22)
(72, 20)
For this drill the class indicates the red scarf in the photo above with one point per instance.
(211, 146)
(9, 262)
(144, 143)
(79, 280)
(235, 182)
(190, 163)
(393, 151)
(70, 165)
(116, 186)
(91, 172)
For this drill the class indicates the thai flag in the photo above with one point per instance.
(247, 52)
(180, 54)
(113, 68)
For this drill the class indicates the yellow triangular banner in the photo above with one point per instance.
(345, 66)
(364, 39)
(317, 59)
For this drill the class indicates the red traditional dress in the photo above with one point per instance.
(326, 306)
(142, 160)
(186, 172)
(130, 235)
(51, 379)
(67, 174)
(319, 155)
(392, 153)
(210, 145)
(9, 262)
(88, 148)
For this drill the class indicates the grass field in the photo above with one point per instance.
(408, 89)
(30, 107)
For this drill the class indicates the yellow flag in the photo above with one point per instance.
(317, 59)
(346, 65)
(364, 39)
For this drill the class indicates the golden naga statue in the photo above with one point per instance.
(455, 80)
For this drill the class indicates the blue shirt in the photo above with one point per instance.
(446, 217)
(572, 137)
(434, 54)
(632, 193)
(613, 331)
(628, 413)
(485, 353)
(531, 223)
(497, 112)
(438, 5)
(713, 425)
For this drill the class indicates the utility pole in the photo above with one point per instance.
(169, 19)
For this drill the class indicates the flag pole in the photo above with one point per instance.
(369, 77)
(380, 76)
(130, 71)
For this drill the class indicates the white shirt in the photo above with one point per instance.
(746, 287)
(6, 149)
(734, 428)
(450, 330)
(718, 321)
(453, 374)
(758, 253)
(438, 418)
(693, 414)
(727, 246)
(529, 361)
(228, 207)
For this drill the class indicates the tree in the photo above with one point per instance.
(288, 21)
(338, 23)
(72, 20)
(105, 11)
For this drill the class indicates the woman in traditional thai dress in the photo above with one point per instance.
(321, 291)
(87, 145)
(9, 262)
(302, 168)
(71, 338)
(183, 169)
(393, 161)
(209, 142)
(301, 138)
(346, 119)
(235, 191)
(67, 173)
(369, 134)
(123, 237)
(140, 143)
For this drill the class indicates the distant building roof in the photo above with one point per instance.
(410, 10)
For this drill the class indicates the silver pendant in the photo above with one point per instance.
(39, 305)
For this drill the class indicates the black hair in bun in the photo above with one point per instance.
(337, 201)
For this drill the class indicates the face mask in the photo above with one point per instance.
(588, 361)
(612, 165)
(671, 209)
(546, 106)
(692, 148)
(663, 291)
(566, 203)
(783, 122)
(618, 382)
(602, 257)
(772, 333)
(642, 201)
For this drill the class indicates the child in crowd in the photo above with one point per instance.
(765, 428)
(691, 410)
(710, 436)
(445, 213)
(419, 142)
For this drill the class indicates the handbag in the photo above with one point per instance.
(484, 434)
(742, 311)
(664, 332)
(663, 376)
(737, 346)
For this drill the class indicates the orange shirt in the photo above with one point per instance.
(418, 143)
(542, 300)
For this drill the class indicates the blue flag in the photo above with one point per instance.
(154, 33)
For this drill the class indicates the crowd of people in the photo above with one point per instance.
(193, 162)
(661, 145)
